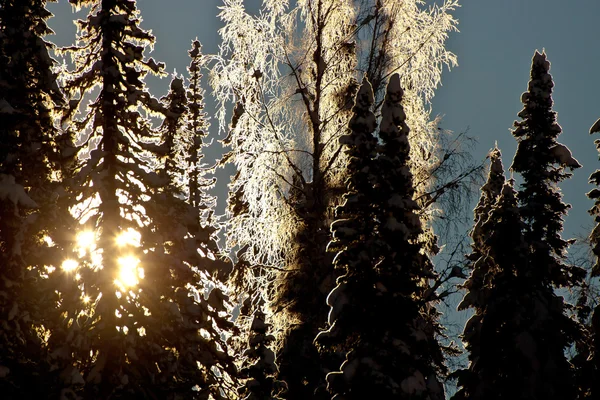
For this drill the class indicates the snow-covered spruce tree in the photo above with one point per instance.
(197, 126)
(543, 163)
(498, 338)
(354, 229)
(35, 224)
(259, 367)
(291, 74)
(589, 356)
(481, 263)
(490, 191)
(142, 327)
(518, 348)
(385, 269)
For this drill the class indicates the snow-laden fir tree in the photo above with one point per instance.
(291, 72)
(381, 310)
(589, 356)
(543, 164)
(354, 229)
(143, 325)
(520, 331)
(35, 225)
(259, 367)
(498, 338)
(490, 191)
(197, 126)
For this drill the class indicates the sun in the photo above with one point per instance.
(69, 265)
(86, 240)
(129, 272)
(130, 237)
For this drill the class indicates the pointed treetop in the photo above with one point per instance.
(365, 97)
(539, 124)
(363, 118)
(394, 87)
(393, 129)
(540, 59)
(596, 127)
(493, 186)
(196, 48)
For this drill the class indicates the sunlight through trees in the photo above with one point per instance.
(327, 275)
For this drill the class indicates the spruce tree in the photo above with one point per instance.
(385, 269)
(490, 192)
(543, 164)
(143, 326)
(354, 227)
(497, 336)
(197, 126)
(589, 356)
(35, 225)
(520, 331)
(259, 367)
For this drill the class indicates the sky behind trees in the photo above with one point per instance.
(494, 48)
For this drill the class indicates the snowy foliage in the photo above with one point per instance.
(34, 219)
(196, 130)
(264, 69)
(289, 75)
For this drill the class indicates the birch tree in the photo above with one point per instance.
(289, 75)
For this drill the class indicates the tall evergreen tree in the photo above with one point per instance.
(589, 356)
(197, 126)
(490, 192)
(142, 327)
(501, 347)
(520, 331)
(353, 230)
(259, 367)
(35, 225)
(385, 268)
(543, 163)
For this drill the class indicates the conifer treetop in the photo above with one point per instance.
(490, 193)
(543, 163)
(594, 194)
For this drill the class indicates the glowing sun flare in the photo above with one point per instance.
(129, 273)
(86, 239)
(129, 237)
(69, 265)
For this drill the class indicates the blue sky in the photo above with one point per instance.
(494, 46)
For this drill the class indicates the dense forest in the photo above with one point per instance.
(325, 278)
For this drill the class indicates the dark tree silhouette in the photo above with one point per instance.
(490, 192)
(35, 225)
(385, 268)
(259, 367)
(146, 329)
(520, 331)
